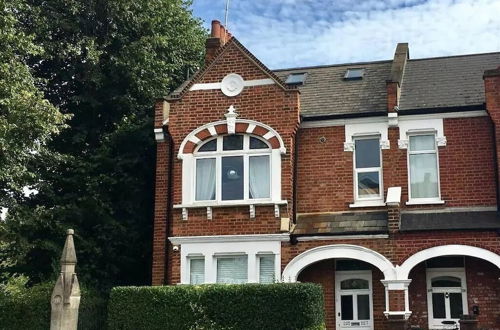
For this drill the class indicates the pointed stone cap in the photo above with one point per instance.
(69, 254)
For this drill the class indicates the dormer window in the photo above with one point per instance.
(233, 167)
(354, 74)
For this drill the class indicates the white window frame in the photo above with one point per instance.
(438, 272)
(353, 274)
(378, 169)
(188, 265)
(213, 247)
(431, 200)
(266, 254)
(228, 255)
(189, 173)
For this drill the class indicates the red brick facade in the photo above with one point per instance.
(322, 183)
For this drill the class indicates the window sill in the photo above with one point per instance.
(425, 202)
(229, 204)
(375, 203)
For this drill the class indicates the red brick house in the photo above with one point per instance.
(378, 180)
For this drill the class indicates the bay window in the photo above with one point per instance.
(367, 169)
(423, 168)
(233, 167)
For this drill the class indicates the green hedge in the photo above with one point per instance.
(24, 308)
(246, 306)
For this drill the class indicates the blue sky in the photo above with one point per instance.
(292, 33)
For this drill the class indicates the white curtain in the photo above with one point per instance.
(423, 176)
(232, 270)
(197, 271)
(259, 177)
(266, 269)
(205, 179)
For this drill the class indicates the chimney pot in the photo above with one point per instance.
(216, 27)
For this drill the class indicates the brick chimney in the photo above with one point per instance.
(218, 38)
(395, 79)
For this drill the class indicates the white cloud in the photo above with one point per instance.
(292, 33)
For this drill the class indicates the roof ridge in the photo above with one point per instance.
(331, 65)
(452, 56)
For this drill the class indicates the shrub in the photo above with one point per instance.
(213, 306)
(25, 308)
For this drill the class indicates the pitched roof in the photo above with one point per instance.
(453, 81)
(326, 92)
(341, 223)
(444, 82)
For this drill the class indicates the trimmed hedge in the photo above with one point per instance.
(24, 308)
(214, 306)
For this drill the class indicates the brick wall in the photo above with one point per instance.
(466, 164)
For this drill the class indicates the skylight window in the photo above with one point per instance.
(352, 74)
(296, 78)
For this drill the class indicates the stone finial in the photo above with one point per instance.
(231, 119)
(65, 298)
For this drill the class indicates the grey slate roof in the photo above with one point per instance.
(341, 223)
(453, 81)
(450, 220)
(325, 91)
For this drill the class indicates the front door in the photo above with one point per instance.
(353, 300)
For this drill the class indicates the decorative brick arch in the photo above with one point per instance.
(297, 264)
(404, 269)
(242, 126)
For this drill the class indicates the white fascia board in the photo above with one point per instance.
(179, 240)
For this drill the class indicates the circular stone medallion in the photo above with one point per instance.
(232, 84)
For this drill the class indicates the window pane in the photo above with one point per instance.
(423, 176)
(257, 144)
(363, 307)
(353, 284)
(209, 146)
(446, 282)
(438, 309)
(232, 178)
(422, 142)
(367, 153)
(197, 271)
(346, 307)
(456, 308)
(259, 177)
(232, 142)
(205, 179)
(232, 270)
(368, 184)
(266, 269)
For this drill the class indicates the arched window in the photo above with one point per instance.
(233, 168)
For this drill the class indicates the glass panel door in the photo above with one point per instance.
(354, 300)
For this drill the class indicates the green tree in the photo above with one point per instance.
(27, 120)
(104, 62)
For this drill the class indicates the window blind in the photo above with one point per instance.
(232, 270)
(266, 269)
(197, 271)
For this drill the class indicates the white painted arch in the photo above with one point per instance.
(211, 127)
(445, 250)
(297, 264)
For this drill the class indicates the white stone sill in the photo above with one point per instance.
(376, 203)
(425, 202)
(229, 204)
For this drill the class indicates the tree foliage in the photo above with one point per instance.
(27, 119)
(104, 63)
